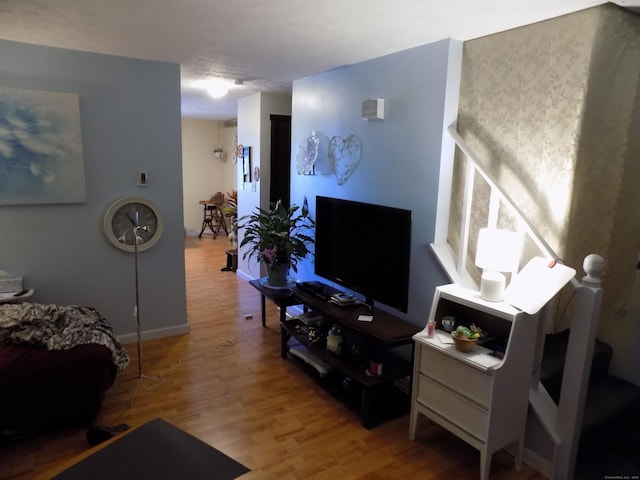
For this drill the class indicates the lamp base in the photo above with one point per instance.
(492, 286)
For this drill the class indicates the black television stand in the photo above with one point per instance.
(371, 340)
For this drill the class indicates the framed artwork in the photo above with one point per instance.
(41, 157)
(246, 164)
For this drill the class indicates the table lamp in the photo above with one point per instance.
(497, 252)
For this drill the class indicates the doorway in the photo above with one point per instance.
(280, 184)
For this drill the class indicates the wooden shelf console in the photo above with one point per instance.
(363, 341)
(481, 396)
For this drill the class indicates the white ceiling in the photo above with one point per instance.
(264, 44)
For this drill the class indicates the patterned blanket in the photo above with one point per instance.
(58, 328)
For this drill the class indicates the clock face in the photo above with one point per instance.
(131, 219)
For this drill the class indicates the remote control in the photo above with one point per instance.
(21, 293)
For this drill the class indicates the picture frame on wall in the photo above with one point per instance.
(246, 164)
(41, 154)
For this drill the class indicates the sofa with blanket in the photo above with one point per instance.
(56, 363)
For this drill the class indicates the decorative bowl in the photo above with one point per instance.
(448, 322)
(464, 345)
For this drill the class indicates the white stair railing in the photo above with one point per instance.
(497, 195)
(562, 422)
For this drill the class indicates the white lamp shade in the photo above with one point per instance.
(497, 249)
(497, 252)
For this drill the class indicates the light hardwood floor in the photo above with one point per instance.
(226, 384)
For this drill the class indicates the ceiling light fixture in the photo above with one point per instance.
(217, 89)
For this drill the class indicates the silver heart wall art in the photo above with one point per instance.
(344, 155)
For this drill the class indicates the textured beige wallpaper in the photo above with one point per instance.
(552, 111)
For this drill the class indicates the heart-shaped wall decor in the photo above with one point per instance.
(323, 166)
(307, 154)
(344, 155)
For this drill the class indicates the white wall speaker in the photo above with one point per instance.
(373, 109)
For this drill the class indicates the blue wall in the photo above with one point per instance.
(400, 156)
(130, 120)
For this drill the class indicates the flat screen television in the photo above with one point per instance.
(365, 248)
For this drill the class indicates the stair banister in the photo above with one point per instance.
(563, 422)
(522, 221)
(577, 368)
(466, 216)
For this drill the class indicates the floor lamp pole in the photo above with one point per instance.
(135, 261)
(137, 238)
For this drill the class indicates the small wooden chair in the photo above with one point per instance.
(213, 216)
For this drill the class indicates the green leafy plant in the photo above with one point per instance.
(277, 235)
(471, 333)
(230, 210)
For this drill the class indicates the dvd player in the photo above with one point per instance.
(312, 287)
(316, 288)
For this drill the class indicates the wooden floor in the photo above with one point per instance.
(226, 384)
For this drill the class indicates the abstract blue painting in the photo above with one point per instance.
(41, 157)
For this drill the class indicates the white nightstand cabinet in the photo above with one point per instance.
(477, 396)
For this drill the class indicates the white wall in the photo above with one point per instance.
(254, 130)
(271, 104)
(400, 162)
(203, 174)
(249, 121)
(130, 120)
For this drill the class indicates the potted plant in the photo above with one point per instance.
(465, 338)
(278, 237)
(230, 210)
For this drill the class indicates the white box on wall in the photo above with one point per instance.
(373, 109)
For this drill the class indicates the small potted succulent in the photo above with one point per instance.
(464, 338)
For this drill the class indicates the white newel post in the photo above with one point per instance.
(575, 379)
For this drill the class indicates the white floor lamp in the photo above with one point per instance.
(137, 239)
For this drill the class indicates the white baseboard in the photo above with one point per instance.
(244, 275)
(156, 333)
(535, 461)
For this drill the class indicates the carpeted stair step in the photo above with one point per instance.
(612, 406)
(555, 350)
(610, 437)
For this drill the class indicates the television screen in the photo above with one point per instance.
(365, 248)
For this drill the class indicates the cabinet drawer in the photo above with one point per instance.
(457, 410)
(458, 376)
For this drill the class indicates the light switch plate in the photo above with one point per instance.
(142, 179)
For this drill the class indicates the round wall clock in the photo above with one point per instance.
(130, 217)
